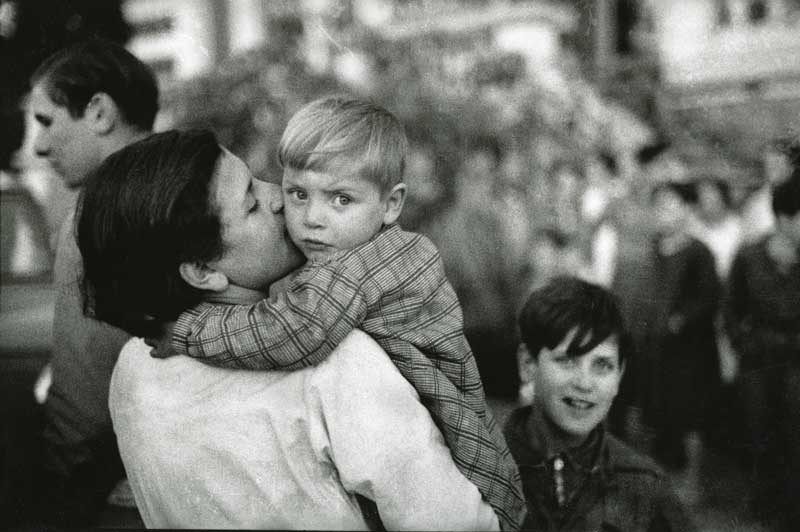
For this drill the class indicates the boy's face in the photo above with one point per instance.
(328, 212)
(575, 393)
(68, 143)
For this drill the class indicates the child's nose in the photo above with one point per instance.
(314, 215)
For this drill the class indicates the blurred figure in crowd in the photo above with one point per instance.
(763, 319)
(88, 101)
(552, 254)
(474, 247)
(603, 190)
(577, 476)
(633, 285)
(717, 225)
(779, 158)
(681, 366)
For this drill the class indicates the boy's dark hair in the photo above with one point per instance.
(73, 75)
(142, 213)
(345, 134)
(567, 303)
(786, 195)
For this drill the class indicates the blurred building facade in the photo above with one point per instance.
(721, 77)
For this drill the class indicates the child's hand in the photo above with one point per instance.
(161, 344)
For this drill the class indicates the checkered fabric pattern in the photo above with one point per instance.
(393, 288)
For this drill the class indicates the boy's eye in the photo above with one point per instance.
(255, 206)
(342, 200)
(564, 360)
(606, 365)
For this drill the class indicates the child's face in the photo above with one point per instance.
(329, 212)
(575, 393)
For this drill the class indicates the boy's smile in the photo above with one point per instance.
(329, 212)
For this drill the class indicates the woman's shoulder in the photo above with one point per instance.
(359, 363)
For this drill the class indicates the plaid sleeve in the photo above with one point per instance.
(301, 327)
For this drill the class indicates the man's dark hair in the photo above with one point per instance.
(142, 213)
(786, 196)
(567, 303)
(73, 75)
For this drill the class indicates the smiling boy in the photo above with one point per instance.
(575, 475)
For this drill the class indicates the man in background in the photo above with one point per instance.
(763, 321)
(88, 101)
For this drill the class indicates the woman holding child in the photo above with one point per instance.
(173, 221)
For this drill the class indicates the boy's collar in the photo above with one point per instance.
(541, 434)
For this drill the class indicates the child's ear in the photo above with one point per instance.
(394, 203)
(526, 364)
(102, 112)
(200, 275)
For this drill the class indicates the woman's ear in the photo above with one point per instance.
(200, 275)
(394, 203)
(103, 113)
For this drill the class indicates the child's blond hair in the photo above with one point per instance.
(340, 134)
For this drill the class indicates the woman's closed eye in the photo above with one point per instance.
(296, 194)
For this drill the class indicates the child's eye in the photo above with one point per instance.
(255, 206)
(564, 360)
(342, 200)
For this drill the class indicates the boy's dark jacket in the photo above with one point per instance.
(610, 486)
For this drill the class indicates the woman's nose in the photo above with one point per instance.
(40, 145)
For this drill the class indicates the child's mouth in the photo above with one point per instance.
(578, 404)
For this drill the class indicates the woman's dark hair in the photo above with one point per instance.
(567, 303)
(73, 75)
(142, 213)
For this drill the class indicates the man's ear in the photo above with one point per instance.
(394, 203)
(102, 113)
(200, 275)
(526, 364)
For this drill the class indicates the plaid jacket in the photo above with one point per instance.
(394, 288)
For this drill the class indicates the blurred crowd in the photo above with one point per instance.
(517, 185)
